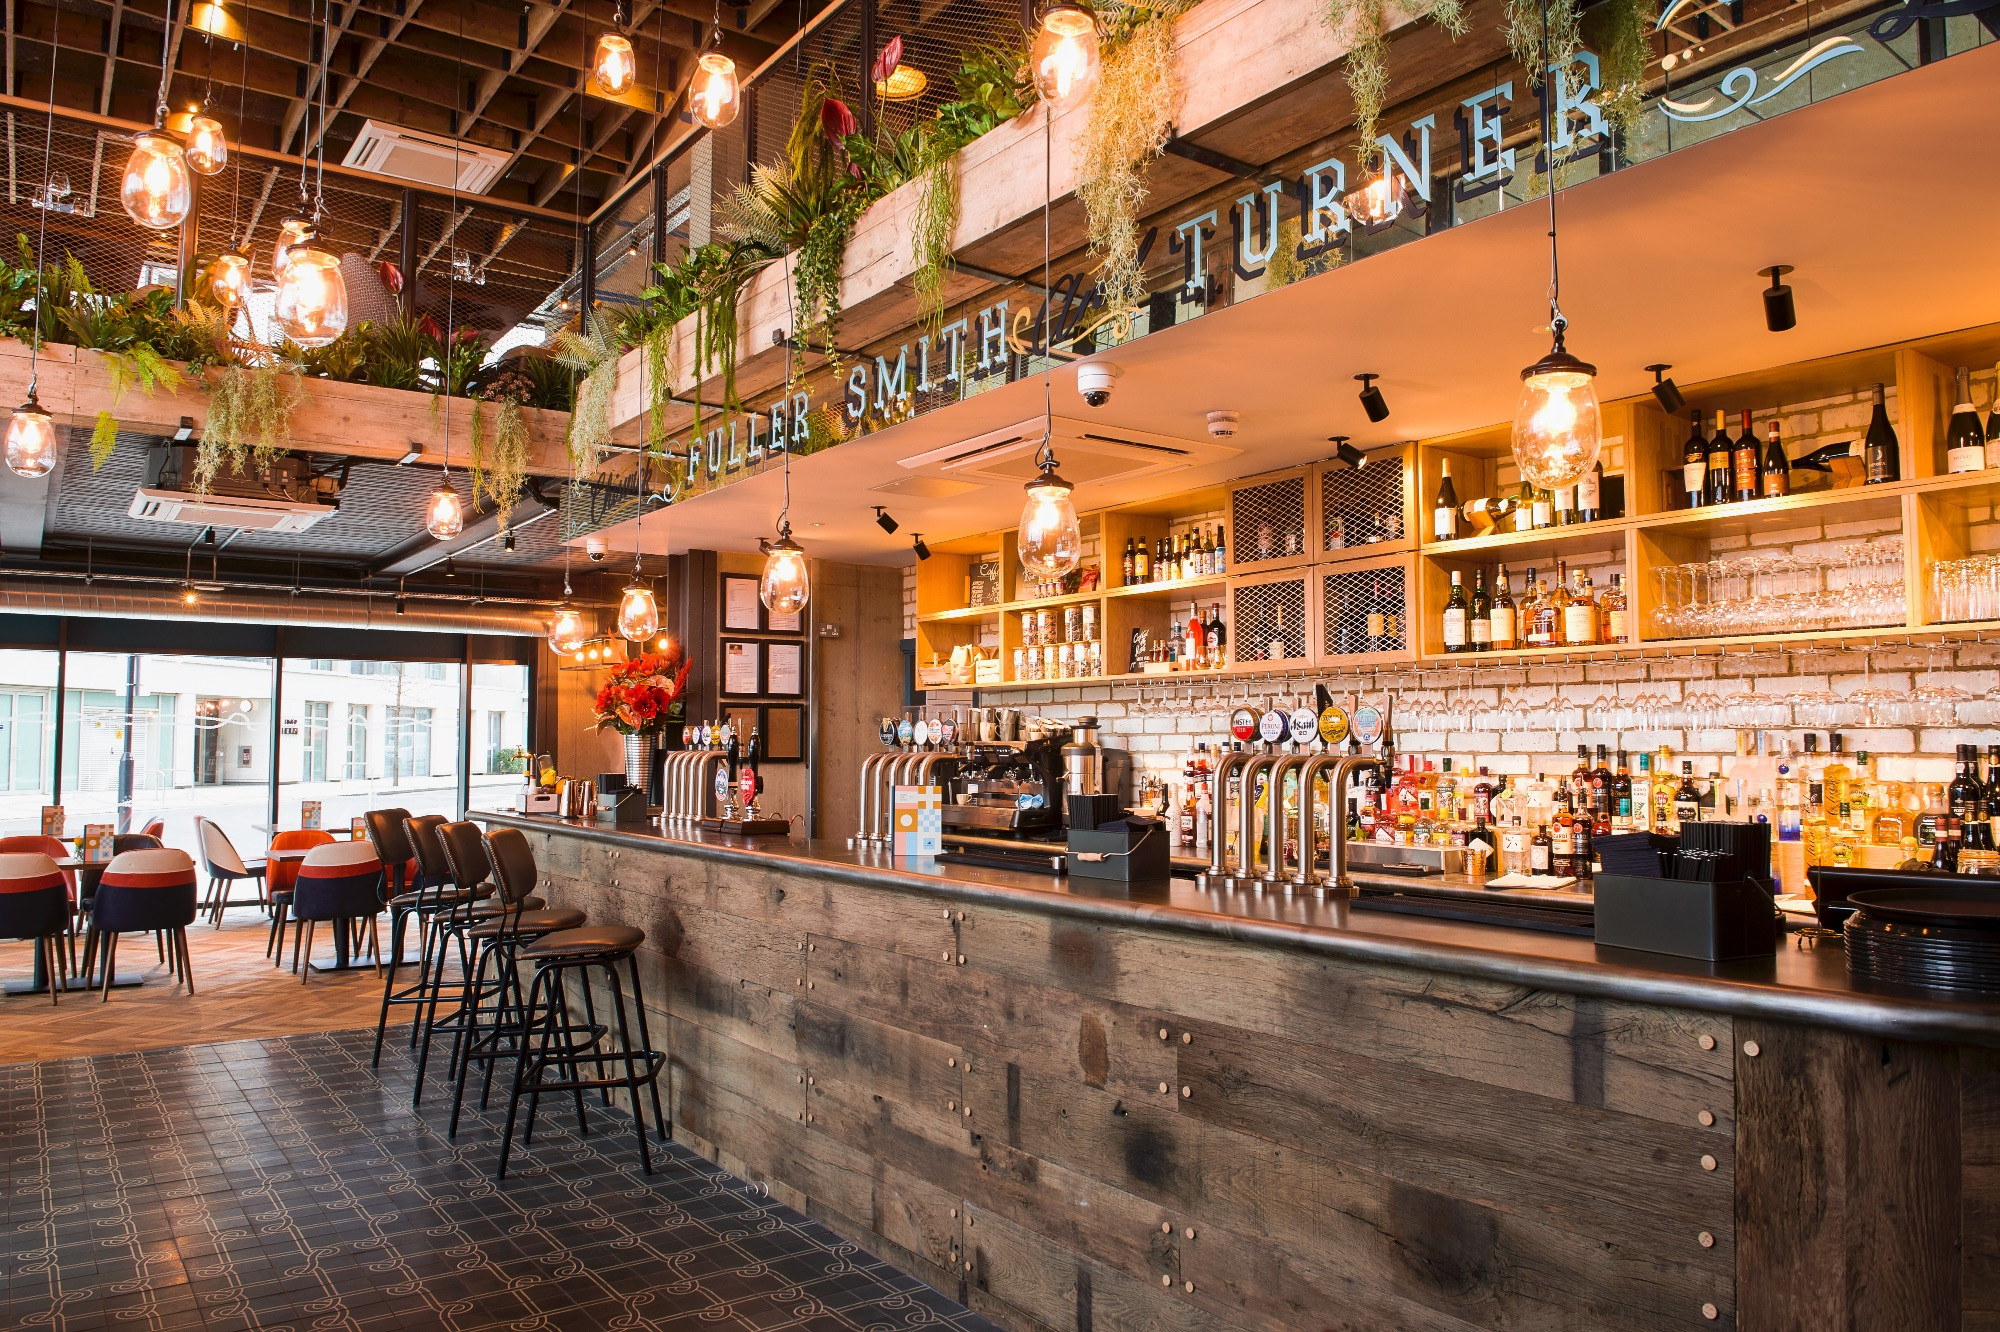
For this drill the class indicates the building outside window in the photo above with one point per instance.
(312, 742)
(408, 747)
(357, 742)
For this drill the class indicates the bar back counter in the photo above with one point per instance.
(1192, 1111)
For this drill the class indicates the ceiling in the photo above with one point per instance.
(1867, 194)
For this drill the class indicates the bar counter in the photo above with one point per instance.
(1071, 1107)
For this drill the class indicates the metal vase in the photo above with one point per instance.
(641, 759)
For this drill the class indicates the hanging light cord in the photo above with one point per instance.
(1556, 321)
(1046, 457)
(242, 85)
(42, 238)
(305, 158)
(166, 50)
(451, 271)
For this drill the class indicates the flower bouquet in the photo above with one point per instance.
(643, 696)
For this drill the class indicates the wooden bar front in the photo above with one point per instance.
(1078, 1122)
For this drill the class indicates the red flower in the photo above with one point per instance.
(429, 327)
(835, 120)
(392, 276)
(885, 63)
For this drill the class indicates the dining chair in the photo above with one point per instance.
(35, 904)
(280, 877)
(225, 867)
(146, 891)
(338, 882)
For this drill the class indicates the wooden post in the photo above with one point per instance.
(407, 255)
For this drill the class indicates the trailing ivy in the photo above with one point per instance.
(1365, 25)
(249, 419)
(1626, 33)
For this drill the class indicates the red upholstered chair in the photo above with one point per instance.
(34, 904)
(280, 875)
(52, 847)
(339, 882)
(146, 890)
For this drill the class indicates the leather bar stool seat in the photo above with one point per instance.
(532, 920)
(585, 942)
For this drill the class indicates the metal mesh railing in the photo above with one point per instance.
(1360, 507)
(1268, 522)
(1362, 610)
(1270, 620)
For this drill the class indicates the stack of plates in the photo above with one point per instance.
(1942, 938)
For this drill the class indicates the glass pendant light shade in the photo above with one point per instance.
(787, 585)
(638, 613)
(714, 97)
(229, 280)
(156, 190)
(615, 68)
(291, 232)
(1064, 57)
(311, 308)
(207, 146)
(1557, 429)
(1051, 541)
(445, 518)
(567, 631)
(31, 439)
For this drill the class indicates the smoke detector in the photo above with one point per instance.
(1223, 424)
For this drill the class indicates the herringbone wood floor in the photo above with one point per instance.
(238, 995)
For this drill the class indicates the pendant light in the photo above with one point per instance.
(713, 95)
(1049, 537)
(311, 305)
(787, 582)
(155, 189)
(229, 278)
(567, 630)
(1557, 430)
(1065, 57)
(638, 612)
(31, 433)
(615, 68)
(207, 146)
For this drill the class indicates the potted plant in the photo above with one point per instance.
(644, 700)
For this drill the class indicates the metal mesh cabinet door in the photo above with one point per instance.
(1273, 619)
(1270, 522)
(1365, 508)
(1364, 610)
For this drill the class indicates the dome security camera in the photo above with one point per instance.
(1095, 380)
(594, 548)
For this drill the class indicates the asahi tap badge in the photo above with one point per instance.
(1304, 725)
(1272, 727)
(1243, 724)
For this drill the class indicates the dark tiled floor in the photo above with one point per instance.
(284, 1184)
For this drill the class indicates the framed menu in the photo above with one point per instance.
(784, 733)
(742, 667)
(785, 670)
(742, 610)
(784, 624)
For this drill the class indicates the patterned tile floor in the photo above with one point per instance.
(282, 1184)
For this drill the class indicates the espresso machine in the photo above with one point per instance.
(1007, 803)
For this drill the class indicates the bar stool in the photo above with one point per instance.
(551, 1037)
(467, 874)
(142, 891)
(34, 904)
(225, 867)
(408, 846)
(338, 882)
(497, 939)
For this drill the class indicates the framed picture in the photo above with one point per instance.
(785, 670)
(743, 719)
(742, 668)
(784, 733)
(793, 623)
(742, 610)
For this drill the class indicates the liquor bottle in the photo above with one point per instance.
(1815, 835)
(1220, 564)
(1548, 615)
(1892, 822)
(1881, 456)
(1590, 494)
(1142, 564)
(1616, 620)
(1562, 837)
(1216, 634)
(1687, 799)
(1834, 776)
(1965, 787)
(1993, 425)
(1208, 554)
(1163, 561)
(1664, 790)
(1694, 463)
(1776, 475)
(1964, 440)
(1637, 793)
(1944, 856)
(1455, 609)
(1378, 622)
(1540, 860)
(1603, 784)
(1444, 508)
(1720, 447)
(1580, 855)
(1555, 604)
(1562, 501)
(1580, 613)
(1276, 649)
(1125, 565)
(1503, 630)
(1482, 614)
(1744, 463)
(1544, 505)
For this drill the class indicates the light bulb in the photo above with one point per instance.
(446, 517)
(291, 231)
(1065, 57)
(615, 67)
(31, 439)
(1050, 540)
(311, 308)
(713, 97)
(1377, 203)
(567, 632)
(787, 584)
(638, 613)
(229, 280)
(207, 146)
(1557, 431)
(156, 190)
(210, 18)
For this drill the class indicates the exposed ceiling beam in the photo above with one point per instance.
(113, 35)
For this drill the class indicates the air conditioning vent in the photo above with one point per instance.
(427, 159)
(256, 515)
(1086, 453)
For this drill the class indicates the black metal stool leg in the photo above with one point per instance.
(646, 1040)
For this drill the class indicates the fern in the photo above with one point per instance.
(103, 440)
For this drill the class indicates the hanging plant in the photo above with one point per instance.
(1525, 37)
(249, 419)
(1627, 45)
(1365, 25)
(931, 228)
(499, 460)
(1131, 115)
(593, 355)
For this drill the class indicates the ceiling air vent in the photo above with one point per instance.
(1087, 454)
(225, 511)
(427, 159)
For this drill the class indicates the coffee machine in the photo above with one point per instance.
(1018, 790)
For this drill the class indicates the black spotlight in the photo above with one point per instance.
(450, 569)
(1372, 401)
(506, 541)
(1347, 453)
(1665, 391)
(884, 521)
(917, 544)
(399, 605)
(1779, 312)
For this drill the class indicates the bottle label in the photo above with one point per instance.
(1775, 484)
(1378, 624)
(1746, 472)
(1618, 618)
(1454, 627)
(1502, 624)
(1482, 631)
(1579, 619)
(1444, 522)
(1590, 490)
(1694, 476)
(1565, 499)
(1544, 513)
(1993, 451)
(1967, 457)
(1538, 857)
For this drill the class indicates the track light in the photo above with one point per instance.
(1665, 391)
(1372, 401)
(1779, 312)
(1347, 453)
(884, 521)
(507, 541)
(450, 568)
(917, 544)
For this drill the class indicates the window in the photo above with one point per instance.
(407, 743)
(391, 735)
(312, 742)
(433, 670)
(27, 739)
(357, 742)
(501, 691)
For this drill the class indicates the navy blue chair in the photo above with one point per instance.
(341, 881)
(144, 891)
(34, 904)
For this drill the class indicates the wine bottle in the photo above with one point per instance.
(1217, 635)
(1590, 494)
(1455, 638)
(1378, 622)
(1882, 457)
(1545, 509)
(1562, 501)
(1719, 449)
(1743, 462)
(1221, 552)
(1964, 441)
(1694, 463)
(1142, 564)
(1993, 425)
(1444, 509)
(1777, 472)
(1503, 630)
(1127, 565)
(1481, 624)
